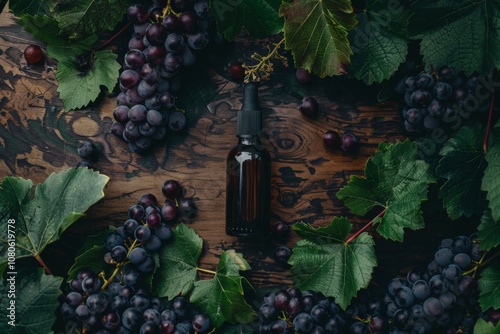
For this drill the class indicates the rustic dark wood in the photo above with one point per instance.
(38, 137)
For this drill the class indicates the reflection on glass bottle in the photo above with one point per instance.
(248, 195)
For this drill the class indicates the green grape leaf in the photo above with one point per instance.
(78, 89)
(80, 18)
(462, 165)
(59, 46)
(483, 326)
(324, 262)
(461, 33)
(33, 7)
(379, 41)
(35, 297)
(316, 32)
(222, 297)
(489, 287)
(178, 263)
(259, 17)
(34, 222)
(491, 181)
(488, 231)
(396, 181)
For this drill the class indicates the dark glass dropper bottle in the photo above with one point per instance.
(248, 195)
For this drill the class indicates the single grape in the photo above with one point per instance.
(135, 58)
(89, 151)
(171, 23)
(404, 297)
(112, 240)
(177, 121)
(420, 98)
(295, 305)
(443, 91)
(180, 306)
(443, 257)
(187, 208)
(82, 312)
(303, 323)
(132, 318)
(303, 75)
(33, 54)
(119, 253)
(169, 211)
(156, 33)
(155, 54)
(236, 70)
(137, 14)
(331, 139)
(167, 100)
(421, 290)
(153, 244)
(188, 22)
(425, 81)
(461, 244)
(280, 229)
(348, 142)
(281, 299)
(319, 314)
(111, 320)
(171, 189)
(91, 284)
(129, 79)
(142, 233)
(140, 301)
(150, 72)
(282, 254)
(149, 327)
(97, 302)
(198, 40)
(309, 106)
(201, 323)
(137, 255)
(129, 226)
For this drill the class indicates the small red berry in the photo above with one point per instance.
(236, 70)
(33, 54)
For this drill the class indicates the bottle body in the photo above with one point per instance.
(248, 191)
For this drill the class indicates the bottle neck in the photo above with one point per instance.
(248, 140)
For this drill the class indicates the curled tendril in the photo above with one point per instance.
(264, 67)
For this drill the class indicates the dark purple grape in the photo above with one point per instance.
(303, 75)
(129, 226)
(133, 96)
(414, 116)
(420, 98)
(111, 320)
(303, 323)
(188, 22)
(378, 325)
(156, 34)
(202, 9)
(154, 117)
(187, 208)
(201, 323)
(425, 81)
(119, 253)
(153, 102)
(171, 23)
(348, 142)
(117, 129)
(280, 229)
(169, 211)
(142, 233)
(177, 121)
(167, 100)
(172, 62)
(410, 84)
(155, 54)
(88, 151)
(443, 91)
(174, 43)
(282, 254)
(146, 88)
(153, 219)
(120, 114)
(137, 113)
(309, 106)
(149, 72)
(180, 306)
(331, 139)
(129, 79)
(137, 14)
(135, 58)
(199, 40)
(281, 300)
(171, 189)
(136, 212)
(136, 43)
(132, 318)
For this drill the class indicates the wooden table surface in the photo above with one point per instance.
(38, 137)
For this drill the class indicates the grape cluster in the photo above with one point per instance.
(126, 308)
(166, 38)
(436, 100)
(294, 311)
(443, 298)
(119, 303)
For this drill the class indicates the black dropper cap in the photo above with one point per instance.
(249, 121)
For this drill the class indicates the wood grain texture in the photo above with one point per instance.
(38, 137)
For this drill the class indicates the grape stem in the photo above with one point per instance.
(112, 38)
(488, 125)
(206, 271)
(355, 235)
(168, 9)
(119, 266)
(39, 259)
(264, 66)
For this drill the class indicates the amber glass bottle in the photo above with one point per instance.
(248, 195)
